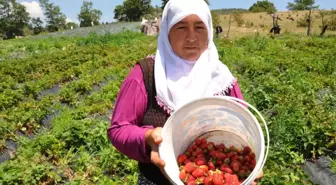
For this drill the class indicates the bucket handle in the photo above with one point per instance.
(264, 122)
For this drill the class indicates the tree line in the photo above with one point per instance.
(15, 20)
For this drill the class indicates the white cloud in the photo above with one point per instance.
(34, 9)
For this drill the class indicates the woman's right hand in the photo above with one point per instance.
(153, 139)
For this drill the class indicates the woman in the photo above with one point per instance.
(185, 67)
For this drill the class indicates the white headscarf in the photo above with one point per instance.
(179, 81)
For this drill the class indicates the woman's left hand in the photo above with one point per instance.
(261, 174)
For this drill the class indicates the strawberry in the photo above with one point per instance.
(218, 179)
(208, 180)
(183, 176)
(230, 155)
(222, 146)
(239, 151)
(203, 140)
(181, 158)
(190, 178)
(231, 179)
(212, 143)
(247, 158)
(227, 170)
(205, 168)
(190, 167)
(192, 183)
(198, 142)
(200, 161)
(194, 146)
(235, 166)
(211, 165)
(235, 158)
(219, 162)
(252, 155)
(204, 146)
(253, 162)
(246, 150)
(186, 161)
(199, 172)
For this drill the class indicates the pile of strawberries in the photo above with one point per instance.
(209, 164)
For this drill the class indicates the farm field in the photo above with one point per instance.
(57, 95)
(261, 24)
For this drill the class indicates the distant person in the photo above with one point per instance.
(218, 30)
(185, 67)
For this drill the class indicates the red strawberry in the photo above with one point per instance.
(192, 183)
(235, 166)
(211, 165)
(190, 150)
(219, 162)
(190, 178)
(205, 168)
(183, 176)
(204, 146)
(200, 161)
(203, 140)
(199, 172)
(212, 143)
(231, 179)
(181, 158)
(235, 158)
(221, 145)
(208, 180)
(252, 155)
(227, 170)
(198, 142)
(218, 179)
(253, 162)
(230, 155)
(239, 151)
(186, 161)
(246, 150)
(190, 167)
(247, 158)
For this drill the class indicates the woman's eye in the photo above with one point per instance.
(180, 28)
(200, 27)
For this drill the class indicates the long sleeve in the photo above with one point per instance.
(236, 92)
(124, 132)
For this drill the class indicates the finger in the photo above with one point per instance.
(253, 183)
(157, 135)
(155, 158)
(261, 173)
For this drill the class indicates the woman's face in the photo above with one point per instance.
(189, 38)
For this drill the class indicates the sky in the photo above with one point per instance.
(72, 7)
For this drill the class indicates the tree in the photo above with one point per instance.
(302, 5)
(88, 15)
(263, 6)
(36, 25)
(55, 19)
(164, 2)
(132, 10)
(13, 19)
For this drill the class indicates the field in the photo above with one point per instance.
(57, 95)
(261, 24)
